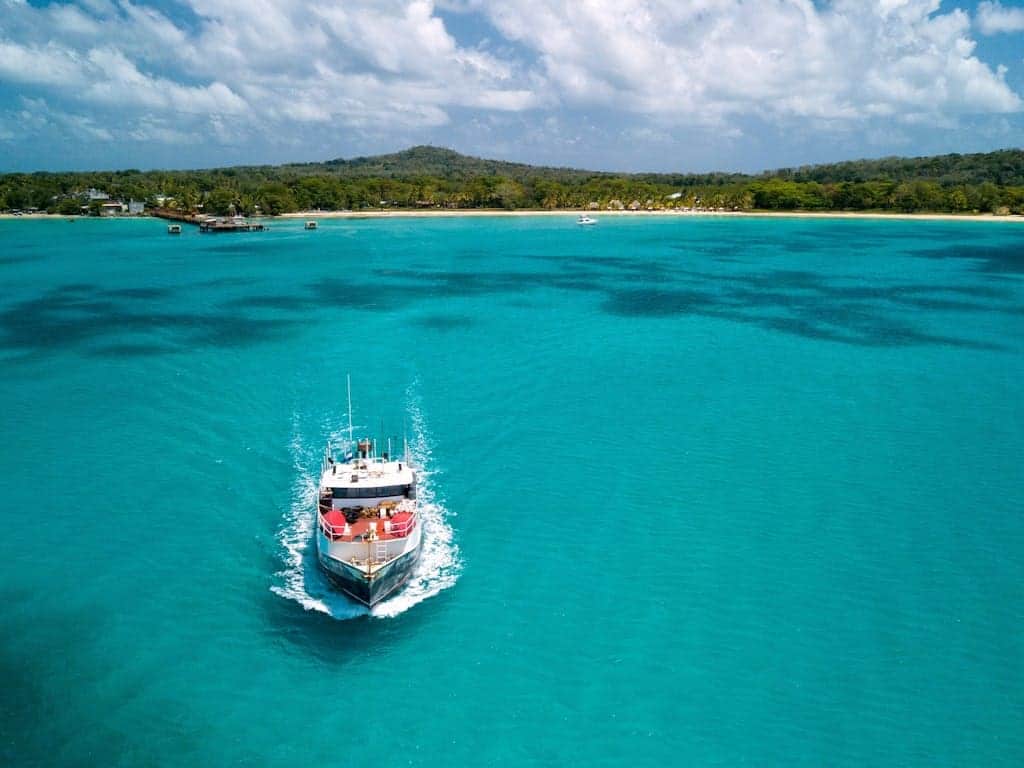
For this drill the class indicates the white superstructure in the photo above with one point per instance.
(367, 510)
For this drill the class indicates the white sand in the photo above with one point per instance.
(447, 212)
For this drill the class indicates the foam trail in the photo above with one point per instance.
(301, 579)
(439, 563)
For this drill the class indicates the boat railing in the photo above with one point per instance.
(330, 531)
(397, 530)
(404, 527)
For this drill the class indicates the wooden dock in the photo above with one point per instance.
(210, 223)
(172, 214)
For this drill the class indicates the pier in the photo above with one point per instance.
(210, 223)
(228, 224)
(172, 214)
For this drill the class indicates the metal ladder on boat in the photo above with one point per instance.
(381, 552)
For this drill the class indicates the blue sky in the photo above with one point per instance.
(632, 85)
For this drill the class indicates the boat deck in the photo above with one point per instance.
(392, 522)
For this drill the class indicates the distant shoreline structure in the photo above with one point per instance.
(412, 213)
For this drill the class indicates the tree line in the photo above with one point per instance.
(426, 177)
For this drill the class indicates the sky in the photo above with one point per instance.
(621, 85)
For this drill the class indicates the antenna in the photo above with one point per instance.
(348, 381)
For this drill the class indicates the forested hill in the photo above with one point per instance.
(1005, 168)
(441, 163)
(432, 177)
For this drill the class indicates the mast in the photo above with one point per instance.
(348, 382)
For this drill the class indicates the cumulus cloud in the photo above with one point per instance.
(36, 117)
(700, 61)
(993, 18)
(359, 64)
(39, 65)
(393, 66)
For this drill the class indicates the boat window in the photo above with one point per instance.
(369, 491)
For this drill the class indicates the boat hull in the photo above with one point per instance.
(369, 590)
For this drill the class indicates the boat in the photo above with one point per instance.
(584, 219)
(228, 224)
(368, 533)
(174, 229)
(310, 225)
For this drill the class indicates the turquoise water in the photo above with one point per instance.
(699, 492)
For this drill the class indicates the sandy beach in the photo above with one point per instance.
(472, 212)
(38, 216)
(434, 212)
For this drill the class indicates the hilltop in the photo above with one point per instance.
(443, 163)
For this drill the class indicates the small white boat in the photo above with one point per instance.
(174, 229)
(310, 225)
(584, 219)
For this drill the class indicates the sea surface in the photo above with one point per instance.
(698, 491)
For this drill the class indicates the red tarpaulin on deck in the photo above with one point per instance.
(400, 523)
(336, 518)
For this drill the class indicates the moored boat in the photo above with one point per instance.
(368, 533)
(584, 219)
(228, 224)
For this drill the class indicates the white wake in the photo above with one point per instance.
(301, 579)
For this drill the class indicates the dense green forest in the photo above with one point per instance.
(427, 177)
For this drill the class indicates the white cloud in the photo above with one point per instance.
(281, 61)
(153, 129)
(37, 116)
(39, 65)
(992, 18)
(392, 68)
(693, 61)
(117, 81)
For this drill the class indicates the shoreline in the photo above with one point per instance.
(491, 212)
(478, 212)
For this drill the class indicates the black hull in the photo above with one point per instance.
(369, 591)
